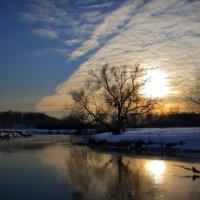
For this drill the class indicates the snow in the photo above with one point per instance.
(46, 131)
(178, 138)
(10, 134)
(42, 131)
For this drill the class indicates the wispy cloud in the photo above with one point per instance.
(98, 5)
(93, 16)
(113, 23)
(49, 52)
(81, 2)
(46, 33)
(44, 11)
(61, 22)
(72, 42)
(163, 34)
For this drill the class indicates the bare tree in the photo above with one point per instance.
(113, 94)
(193, 93)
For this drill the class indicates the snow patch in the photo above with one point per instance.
(175, 138)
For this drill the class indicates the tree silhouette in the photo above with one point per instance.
(193, 93)
(113, 94)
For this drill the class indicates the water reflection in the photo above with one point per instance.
(94, 175)
(106, 176)
(74, 172)
(103, 176)
(156, 169)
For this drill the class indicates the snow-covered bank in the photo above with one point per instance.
(10, 134)
(48, 131)
(42, 131)
(185, 139)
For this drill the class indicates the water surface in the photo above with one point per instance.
(49, 167)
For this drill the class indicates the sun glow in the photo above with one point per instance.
(156, 169)
(157, 85)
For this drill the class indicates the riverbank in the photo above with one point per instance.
(152, 139)
(10, 134)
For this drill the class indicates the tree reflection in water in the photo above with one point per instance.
(108, 177)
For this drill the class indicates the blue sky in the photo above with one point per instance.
(36, 40)
(47, 46)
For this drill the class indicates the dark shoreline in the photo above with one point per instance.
(42, 141)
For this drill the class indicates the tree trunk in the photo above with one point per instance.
(118, 128)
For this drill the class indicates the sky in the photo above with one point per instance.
(47, 46)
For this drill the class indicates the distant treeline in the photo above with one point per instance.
(22, 120)
(181, 119)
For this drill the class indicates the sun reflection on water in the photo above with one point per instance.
(156, 169)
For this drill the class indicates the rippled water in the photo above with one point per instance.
(47, 167)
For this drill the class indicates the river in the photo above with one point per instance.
(51, 168)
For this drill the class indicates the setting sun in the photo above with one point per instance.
(157, 85)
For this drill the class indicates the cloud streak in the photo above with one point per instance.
(43, 11)
(72, 42)
(46, 33)
(71, 24)
(49, 52)
(112, 24)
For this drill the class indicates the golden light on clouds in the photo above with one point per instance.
(157, 85)
(161, 34)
